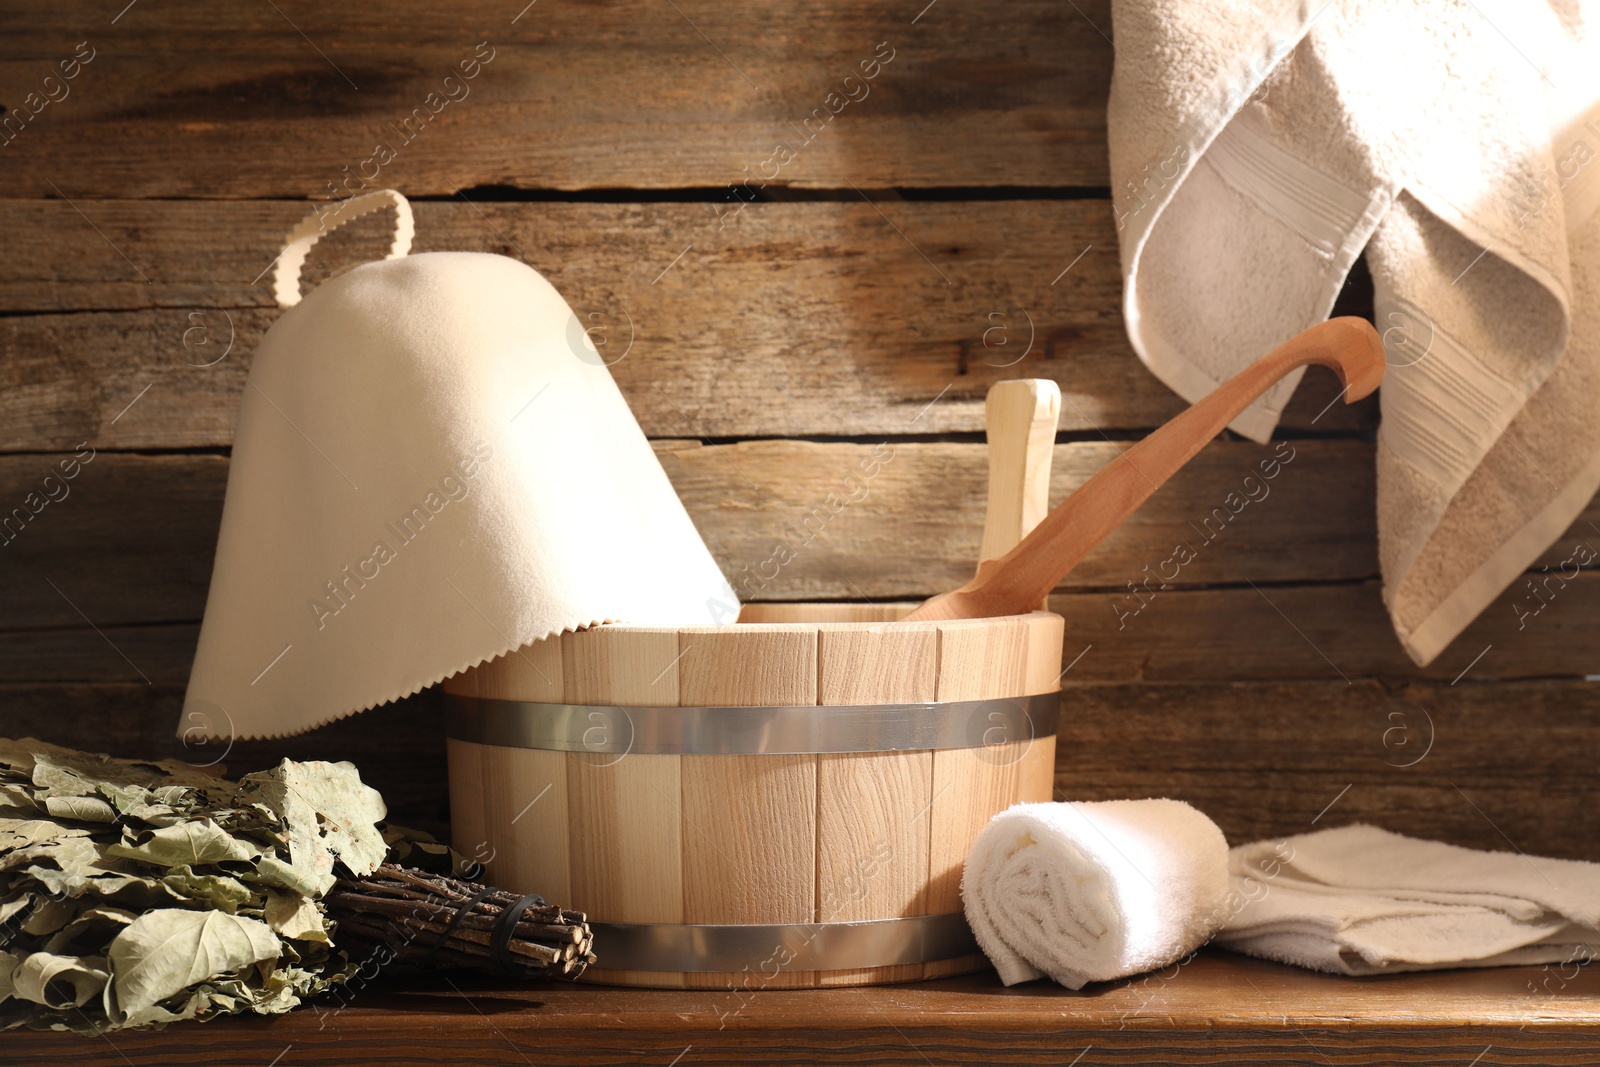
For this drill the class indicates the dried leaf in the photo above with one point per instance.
(167, 950)
(293, 915)
(328, 812)
(12, 905)
(16, 796)
(60, 768)
(220, 870)
(81, 809)
(15, 758)
(417, 848)
(70, 864)
(48, 916)
(96, 921)
(57, 778)
(153, 813)
(59, 981)
(273, 871)
(216, 890)
(130, 889)
(19, 833)
(192, 843)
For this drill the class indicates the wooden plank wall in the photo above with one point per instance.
(772, 315)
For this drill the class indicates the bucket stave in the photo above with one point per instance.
(689, 791)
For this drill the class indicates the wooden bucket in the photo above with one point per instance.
(784, 802)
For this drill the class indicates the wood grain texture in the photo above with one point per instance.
(875, 664)
(1043, 631)
(872, 810)
(624, 807)
(978, 658)
(749, 853)
(1486, 765)
(983, 658)
(1036, 774)
(1036, 777)
(885, 335)
(628, 866)
(824, 612)
(773, 665)
(162, 653)
(1220, 1008)
(1333, 631)
(526, 826)
(509, 805)
(1020, 419)
(469, 827)
(465, 782)
(189, 101)
(162, 559)
(532, 672)
(750, 822)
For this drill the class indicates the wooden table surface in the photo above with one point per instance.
(1220, 1008)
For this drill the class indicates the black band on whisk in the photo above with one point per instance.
(462, 911)
(500, 938)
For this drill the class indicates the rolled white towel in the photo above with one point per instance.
(1094, 891)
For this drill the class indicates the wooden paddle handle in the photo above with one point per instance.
(1020, 416)
(1018, 580)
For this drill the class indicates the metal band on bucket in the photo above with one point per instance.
(769, 949)
(806, 729)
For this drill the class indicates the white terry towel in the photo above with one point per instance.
(1256, 148)
(1360, 900)
(431, 468)
(1094, 891)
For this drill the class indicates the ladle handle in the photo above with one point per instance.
(1020, 416)
(1017, 581)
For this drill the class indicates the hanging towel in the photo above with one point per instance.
(432, 467)
(1094, 891)
(1359, 900)
(1256, 149)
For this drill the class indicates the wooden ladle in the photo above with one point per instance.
(1017, 581)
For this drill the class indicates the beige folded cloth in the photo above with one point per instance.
(1359, 900)
(431, 468)
(1257, 148)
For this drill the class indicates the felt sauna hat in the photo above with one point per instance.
(432, 467)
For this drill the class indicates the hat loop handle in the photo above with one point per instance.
(322, 221)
